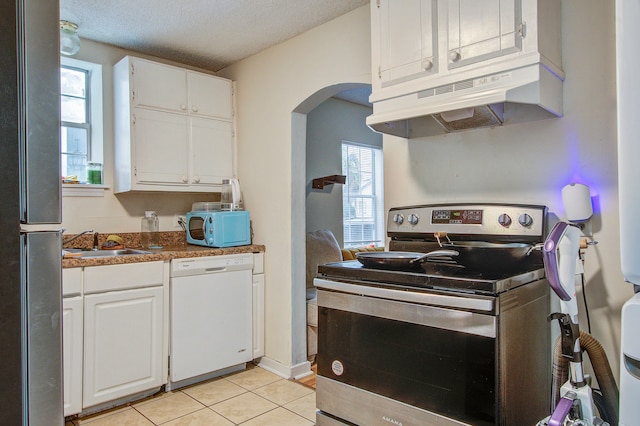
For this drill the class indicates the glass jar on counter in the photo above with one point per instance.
(149, 231)
(94, 173)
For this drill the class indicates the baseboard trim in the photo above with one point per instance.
(288, 372)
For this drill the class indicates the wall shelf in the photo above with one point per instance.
(319, 183)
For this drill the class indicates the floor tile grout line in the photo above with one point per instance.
(248, 388)
(152, 422)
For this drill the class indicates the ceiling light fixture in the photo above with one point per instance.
(69, 40)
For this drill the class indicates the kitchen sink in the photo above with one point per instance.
(107, 253)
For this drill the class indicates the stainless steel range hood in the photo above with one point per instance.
(527, 93)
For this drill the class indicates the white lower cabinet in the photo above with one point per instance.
(124, 331)
(258, 315)
(258, 305)
(72, 342)
(123, 344)
(72, 354)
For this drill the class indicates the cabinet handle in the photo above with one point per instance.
(194, 108)
(427, 65)
(184, 179)
(183, 107)
(454, 56)
(196, 179)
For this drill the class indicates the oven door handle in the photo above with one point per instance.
(362, 302)
(478, 303)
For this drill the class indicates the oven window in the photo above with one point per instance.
(196, 228)
(445, 372)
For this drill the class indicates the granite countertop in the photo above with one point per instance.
(174, 246)
(166, 253)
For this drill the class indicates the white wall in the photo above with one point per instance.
(328, 125)
(118, 213)
(531, 162)
(526, 163)
(275, 89)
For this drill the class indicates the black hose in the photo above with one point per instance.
(602, 370)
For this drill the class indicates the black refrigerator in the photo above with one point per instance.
(30, 214)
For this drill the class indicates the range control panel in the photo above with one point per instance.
(470, 219)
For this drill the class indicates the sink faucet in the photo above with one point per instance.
(77, 236)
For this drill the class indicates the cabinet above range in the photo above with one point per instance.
(440, 66)
(174, 128)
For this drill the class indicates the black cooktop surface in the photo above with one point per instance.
(437, 276)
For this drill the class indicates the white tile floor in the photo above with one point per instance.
(250, 397)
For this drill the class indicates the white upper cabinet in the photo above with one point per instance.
(482, 29)
(158, 85)
(441, 66)
(174, 128)
(206, 93)
(414, 41)
(408, 39)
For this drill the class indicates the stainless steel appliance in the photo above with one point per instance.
(441, 343)
(30, 214)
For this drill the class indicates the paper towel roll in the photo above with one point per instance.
(577, 202)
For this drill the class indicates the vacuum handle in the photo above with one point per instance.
(551, 262)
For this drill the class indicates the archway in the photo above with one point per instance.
(298, 202)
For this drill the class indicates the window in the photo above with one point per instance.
(75, 126)
(362, 200)
(80, 116)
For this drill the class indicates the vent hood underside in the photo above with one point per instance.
(524, 94)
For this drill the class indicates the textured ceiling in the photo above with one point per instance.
(209, 34)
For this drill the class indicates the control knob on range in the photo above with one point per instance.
(525, 220)
(504, 220)
(398, 218)
(413, 219)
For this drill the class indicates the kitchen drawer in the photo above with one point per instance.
(99, 279)
(71, 281)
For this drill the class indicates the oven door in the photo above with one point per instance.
(389, 356)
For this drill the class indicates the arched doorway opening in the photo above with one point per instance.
(301, 189)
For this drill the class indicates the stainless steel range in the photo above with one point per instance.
(455, 339)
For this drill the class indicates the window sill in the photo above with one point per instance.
(83, 190)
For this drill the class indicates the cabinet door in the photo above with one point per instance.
(408, 39)
(258, 316)
(161, 152)
(123, 344)
(209, 96)
(159, 86)
(212, 150)
(72, 354)
(482, 29)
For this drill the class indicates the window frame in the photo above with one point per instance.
(86, 125)
(95, 115)
(377, 178)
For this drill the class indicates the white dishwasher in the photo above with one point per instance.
(211, 316)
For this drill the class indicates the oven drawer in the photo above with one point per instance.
(339, 399)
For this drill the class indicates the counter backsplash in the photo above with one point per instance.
(131, 239)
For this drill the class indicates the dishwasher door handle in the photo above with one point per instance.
(217, 269)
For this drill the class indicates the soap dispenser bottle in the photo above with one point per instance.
(150, 231)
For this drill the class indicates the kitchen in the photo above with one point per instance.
(527, 162)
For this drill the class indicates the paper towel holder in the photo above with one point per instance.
(576, 198)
